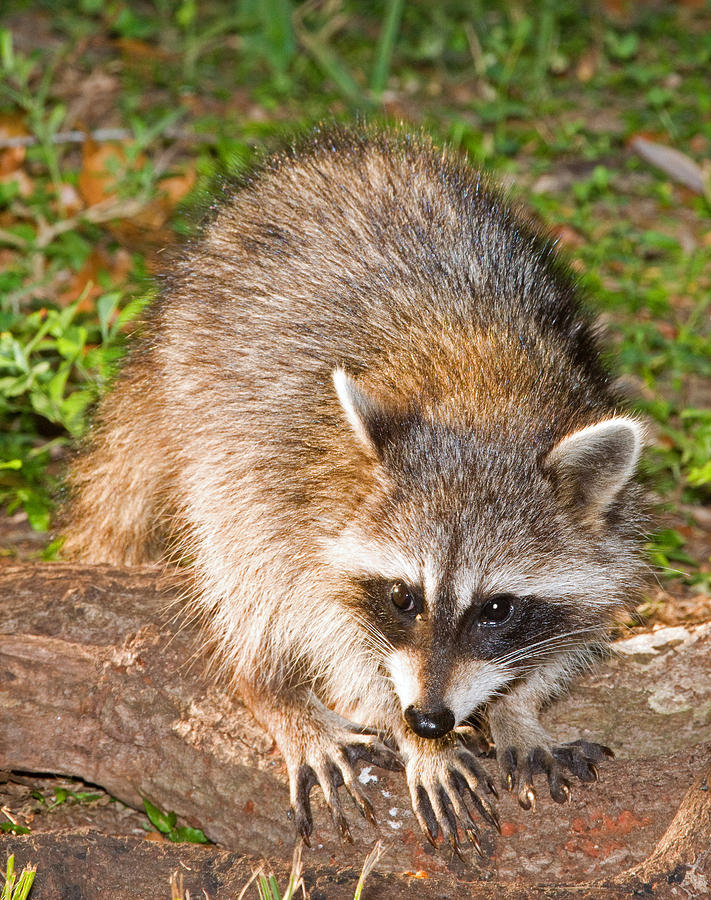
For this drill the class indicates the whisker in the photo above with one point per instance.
(557, 641)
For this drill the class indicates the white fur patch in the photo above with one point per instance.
(431, 578)
(352, 554)
(403, 672)
(583, 583)
(471, 685)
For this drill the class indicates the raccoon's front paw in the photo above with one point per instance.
(443, 776)
(578, 757)
(328, 758)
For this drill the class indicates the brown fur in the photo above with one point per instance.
(225, 443)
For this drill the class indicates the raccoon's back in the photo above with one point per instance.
(385, 256)
(373, 252)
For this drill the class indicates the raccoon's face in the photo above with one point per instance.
(467, 570)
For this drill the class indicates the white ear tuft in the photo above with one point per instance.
(595, 463)
(353, 402)
(372, 422)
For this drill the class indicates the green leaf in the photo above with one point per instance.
(12, 828)
(105, 308)
(164, 822)
(186, 834)
(37, 508)
(699, 475)
(7, 57)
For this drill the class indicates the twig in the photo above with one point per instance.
(105, 211)
(101, 135)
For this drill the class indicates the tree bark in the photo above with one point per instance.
(99, 679)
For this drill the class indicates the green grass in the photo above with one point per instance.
(267, 886)
(527, 90)
(16, 888)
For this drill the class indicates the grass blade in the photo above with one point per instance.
(386, 45)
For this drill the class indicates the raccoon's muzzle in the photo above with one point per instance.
(433, 723)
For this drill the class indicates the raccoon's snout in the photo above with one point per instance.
(433, 723)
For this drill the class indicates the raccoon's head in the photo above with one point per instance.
(480, 556)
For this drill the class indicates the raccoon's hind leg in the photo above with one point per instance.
(524, 748)
(319, 747)
(118, 486)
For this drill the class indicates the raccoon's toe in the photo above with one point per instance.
(582, 757)
(301, 786)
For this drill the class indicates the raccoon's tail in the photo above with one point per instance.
(118, 486)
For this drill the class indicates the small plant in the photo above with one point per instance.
(63, 795)
(17, 888)
(166, 824)
(268, 887)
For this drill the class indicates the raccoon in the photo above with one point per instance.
(369, 409)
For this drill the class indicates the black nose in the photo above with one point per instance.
(433, 723)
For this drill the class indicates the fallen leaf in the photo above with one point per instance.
(587, 65)
(85, 282)
(680, 167)
(174, 188)
(569, 237)
(103, 166)
(11, 158)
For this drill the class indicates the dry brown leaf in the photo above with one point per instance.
(136, 48)
(85, 282)
(677, 165)
(103, 166)
(569, 237)
(587, 65)
(11, 158)
(175, 187)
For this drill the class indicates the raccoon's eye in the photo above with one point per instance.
(401, 597)
(496, 611)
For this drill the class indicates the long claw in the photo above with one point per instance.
(477, 846)
(527, 798)
(472, 835)
(304, 826)
(425, 815)
(367, 811)
(454, 844)
(489, 814)
(343, 829)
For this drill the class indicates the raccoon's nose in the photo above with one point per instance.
(434, 723)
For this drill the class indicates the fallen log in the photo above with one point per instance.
(97, 681)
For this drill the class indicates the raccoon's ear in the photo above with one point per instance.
(594, 464)
(371, 421)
